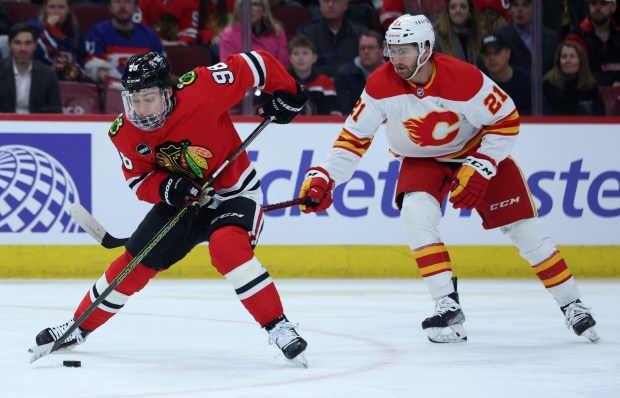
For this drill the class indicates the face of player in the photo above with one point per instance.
(521, 12)
(569, 60)
(302, 59)
(601, 11)
(122, 10)
(371, 53)
(22, 47)
(404, 58)
(147, 109)
(57, 12)
(495, 60)
(147, 102)
(458, 11)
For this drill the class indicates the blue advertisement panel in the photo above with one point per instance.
(41, 175)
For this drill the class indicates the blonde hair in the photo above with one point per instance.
(268, 21)
(445, 32)
(585, 79)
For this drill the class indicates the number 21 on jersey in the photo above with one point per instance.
(495, 100)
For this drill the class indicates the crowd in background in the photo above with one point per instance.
(330, 46)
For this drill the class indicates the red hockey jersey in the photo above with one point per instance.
(199, 134)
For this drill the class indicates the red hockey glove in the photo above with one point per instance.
(284, 106)
(178, 190)
(318, 187)
(472, 179)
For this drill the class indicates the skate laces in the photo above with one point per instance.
(283, 334)
(58, 331)
(445, 304)
(575, 312)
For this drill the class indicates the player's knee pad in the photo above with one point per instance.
(420, 216)
(229, 247)
(533, 242)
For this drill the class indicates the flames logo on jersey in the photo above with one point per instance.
(189, 159)
(434, 129)
(187, 79)
(116, 126)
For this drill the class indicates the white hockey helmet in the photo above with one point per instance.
(407, 29)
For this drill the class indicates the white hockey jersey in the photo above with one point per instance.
(459, 111)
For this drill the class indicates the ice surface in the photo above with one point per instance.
(192, 338)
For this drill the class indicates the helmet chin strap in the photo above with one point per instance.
(420, 64)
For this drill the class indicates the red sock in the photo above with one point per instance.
(133, 282)
(232, 256)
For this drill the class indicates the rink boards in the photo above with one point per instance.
(46, 164)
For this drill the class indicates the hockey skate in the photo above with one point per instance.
(446, 325)
(578, 316)
(283, 335)
(52, 334)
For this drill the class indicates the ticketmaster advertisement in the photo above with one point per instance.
(573, 171)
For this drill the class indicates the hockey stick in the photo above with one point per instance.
(88, 222)
(43, 350)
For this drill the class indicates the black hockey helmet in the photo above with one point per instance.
(145, 71)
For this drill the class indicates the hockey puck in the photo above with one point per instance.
(72, 364)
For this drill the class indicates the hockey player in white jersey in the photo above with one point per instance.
(453, 128)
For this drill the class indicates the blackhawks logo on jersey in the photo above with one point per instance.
(187, 79)
(434, 129)
(116, 126)
(189, 159)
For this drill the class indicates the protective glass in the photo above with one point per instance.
(147, 109)
(399, 52)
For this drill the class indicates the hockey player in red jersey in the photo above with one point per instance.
(453, 128)
(174, 133)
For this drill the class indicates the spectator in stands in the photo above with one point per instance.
(175, 21)
(320, 87)
(335, 36)
(516, 82)
(361, 12)
(4, 31)
(458, 32)
(61, 44)
(267, 33)
(599, 35)
(27, 85)
(214, 17)
(570, 87)
(492, 14)
(350, 79)
(392, 9)
(111, 43)
(573, 12)
(518, 34)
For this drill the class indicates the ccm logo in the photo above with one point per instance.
(226, 215)
(505, 203)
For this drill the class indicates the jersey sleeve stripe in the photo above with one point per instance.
(257, 65)
(353, 144)
(506, 126)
